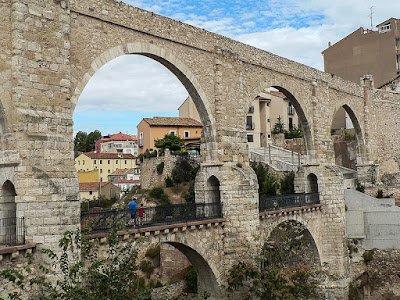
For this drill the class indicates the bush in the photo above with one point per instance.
(169, 182)
(160, 167)
(360, 187)
(146, 267)
(368, 255)
(379, 194)
(191, 281)
(182, 172)
(190, 194)
(153, 252)
(156, 192)
(165, 199)
(287, 184)
(270, 185)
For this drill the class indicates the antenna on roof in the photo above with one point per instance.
(370, 15)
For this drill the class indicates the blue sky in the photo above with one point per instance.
(131, 87)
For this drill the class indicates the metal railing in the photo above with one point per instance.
(103, 221)
(271, 203)
(12, 231)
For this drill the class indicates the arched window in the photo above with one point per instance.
(312, 183)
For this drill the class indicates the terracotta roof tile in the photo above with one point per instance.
(123, 171)
(85, 186)
(127, 181)
(172, 121)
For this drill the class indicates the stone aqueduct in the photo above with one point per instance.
(50, 49)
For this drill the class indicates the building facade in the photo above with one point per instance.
(106, 163)
(117, 143)
(150, 129)
(367, 52)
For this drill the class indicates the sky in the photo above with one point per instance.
(129, 88)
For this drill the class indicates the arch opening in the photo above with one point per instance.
(213, 194)
(290, 244)
(278, 132)
(174, 263)
(312, 183)
(347, 138)
(8, 214)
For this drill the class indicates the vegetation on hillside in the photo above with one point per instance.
(84, 142)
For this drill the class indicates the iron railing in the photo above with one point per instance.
(271, 203)
(103, 221)
(12, 231)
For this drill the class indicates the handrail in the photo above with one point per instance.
(271, 203)
(12, 231)
(103, 221)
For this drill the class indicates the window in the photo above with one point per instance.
(268, 120)
(141, 139)
(398, 62)
(290, 109)
(101, 170)
(83, 162)
(101, 161)
(249, 123)
(172, 132)
(269, 136)
(385, 27)
(94, 161)
(250, 138)
(90, 192)
(116, 162)
(126, 161)
(290, 123)
(251, 109)
(109, 171)
(108, 161)
(186, 134)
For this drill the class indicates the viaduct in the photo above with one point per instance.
(51, 48)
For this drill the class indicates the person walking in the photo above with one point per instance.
(132, 210)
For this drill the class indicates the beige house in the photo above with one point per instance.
(365, 52)
(188, 110)
(150, 129)
(92, 190)
(106, 163)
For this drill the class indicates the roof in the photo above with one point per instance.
(123, 171)
(122, 137)
(127, 181)
(388, 20)
(277, 94)
(99, 155)
(89, 186)
(172, 121)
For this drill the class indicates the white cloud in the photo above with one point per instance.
(133, 83)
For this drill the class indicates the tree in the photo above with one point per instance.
(170, 141)
(279, 126)
(91, 140)
(80, 141)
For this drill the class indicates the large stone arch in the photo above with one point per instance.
(311, 223)
(167, 58)
(299, 102)
(361, 149)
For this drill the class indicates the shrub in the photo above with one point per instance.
(146, 267)
(191, 281)
(182, 172)
(287, 184)
(169, 182)
(360, 187)
(165, 199)
(379, 194)
(368, 255)
(153, 252)
(270, 185)
(160, 167)
(156, 192)
(190, 194)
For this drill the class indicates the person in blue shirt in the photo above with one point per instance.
(132, 210)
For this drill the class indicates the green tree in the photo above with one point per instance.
(287, 184)
(170, 141)
(91, 140)
(80, 141)
(261, 173)
(279, 126)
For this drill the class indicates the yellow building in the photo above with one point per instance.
(105, 163)
(150, 129)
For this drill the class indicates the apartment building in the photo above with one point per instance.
(150, 129)
(106, 163)
(118, 143)
(367, 52)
